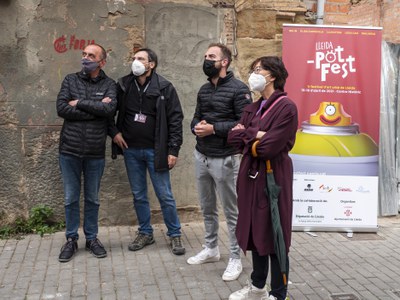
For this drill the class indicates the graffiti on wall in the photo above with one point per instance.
(63, 43)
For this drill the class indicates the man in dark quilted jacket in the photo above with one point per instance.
(219, 106)
(86, 101)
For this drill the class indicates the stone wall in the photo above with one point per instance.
(41, 41)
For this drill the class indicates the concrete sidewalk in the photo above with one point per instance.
(325, 266)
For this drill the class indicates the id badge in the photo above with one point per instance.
(141, 118)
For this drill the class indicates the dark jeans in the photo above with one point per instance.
(72, 168)
(138, 162)
(260, 273)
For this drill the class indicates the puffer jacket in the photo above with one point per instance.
(84, 131)
(222, 106)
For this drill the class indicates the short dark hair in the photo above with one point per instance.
(276, 67)
(151, 54)
(103, 51)
(226, 52)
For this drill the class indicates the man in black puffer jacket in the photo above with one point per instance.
(86, 101)
(219, 107)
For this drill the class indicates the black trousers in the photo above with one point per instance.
(260, 274)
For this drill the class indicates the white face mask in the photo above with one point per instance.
(138, 68)
(258, 82)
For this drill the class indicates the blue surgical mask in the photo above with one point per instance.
(88, 65)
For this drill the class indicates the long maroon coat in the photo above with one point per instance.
(254, 228)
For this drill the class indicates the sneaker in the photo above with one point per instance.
(68, 250)
(141, 241)
(233, 269)
(96, 248)
(270, 297)
(176, 246)
(249, 292)
(205, 256)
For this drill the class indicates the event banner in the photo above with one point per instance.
(334, 78)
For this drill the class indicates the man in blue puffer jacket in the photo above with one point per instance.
(86, 101)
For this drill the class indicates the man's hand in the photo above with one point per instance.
(203, 129)
(73, 102)
(119, 140)
(172, 161)
(106, 100)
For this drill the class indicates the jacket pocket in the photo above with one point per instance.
(262, 200)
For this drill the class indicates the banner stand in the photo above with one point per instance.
(336, 86)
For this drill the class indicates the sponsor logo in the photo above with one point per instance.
(325, 188)
(344, 189)
(348, 212)
(309, 188)
(362, 189)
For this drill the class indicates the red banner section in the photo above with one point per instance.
(335, 64)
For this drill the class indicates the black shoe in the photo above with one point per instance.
(68, 250)
(96, 248)
(141, 241)
(176, 246)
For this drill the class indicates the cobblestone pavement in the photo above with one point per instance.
(329, 265)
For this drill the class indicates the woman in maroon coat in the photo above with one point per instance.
(266, 131)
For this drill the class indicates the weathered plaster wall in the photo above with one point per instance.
(41, 42)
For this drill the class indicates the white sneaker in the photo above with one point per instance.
(233, 269)
(205, 256)
(249, 292)
(270, 297)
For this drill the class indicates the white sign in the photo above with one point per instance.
(335, 203)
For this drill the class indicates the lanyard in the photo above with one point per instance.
(140, 94)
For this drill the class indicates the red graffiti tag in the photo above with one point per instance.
(60, 44)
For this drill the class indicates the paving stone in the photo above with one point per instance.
(367, 266)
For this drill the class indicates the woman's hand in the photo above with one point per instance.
(260, 134)
(238, 126)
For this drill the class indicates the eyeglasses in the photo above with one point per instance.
(258, 69)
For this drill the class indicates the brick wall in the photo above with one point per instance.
(365, 13)
(390, 21)
(377, 13)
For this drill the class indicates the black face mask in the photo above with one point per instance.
(209, 68)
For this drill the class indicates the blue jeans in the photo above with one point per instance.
(137, 161)
(72, 168)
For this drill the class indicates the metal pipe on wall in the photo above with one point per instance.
(320, 11)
